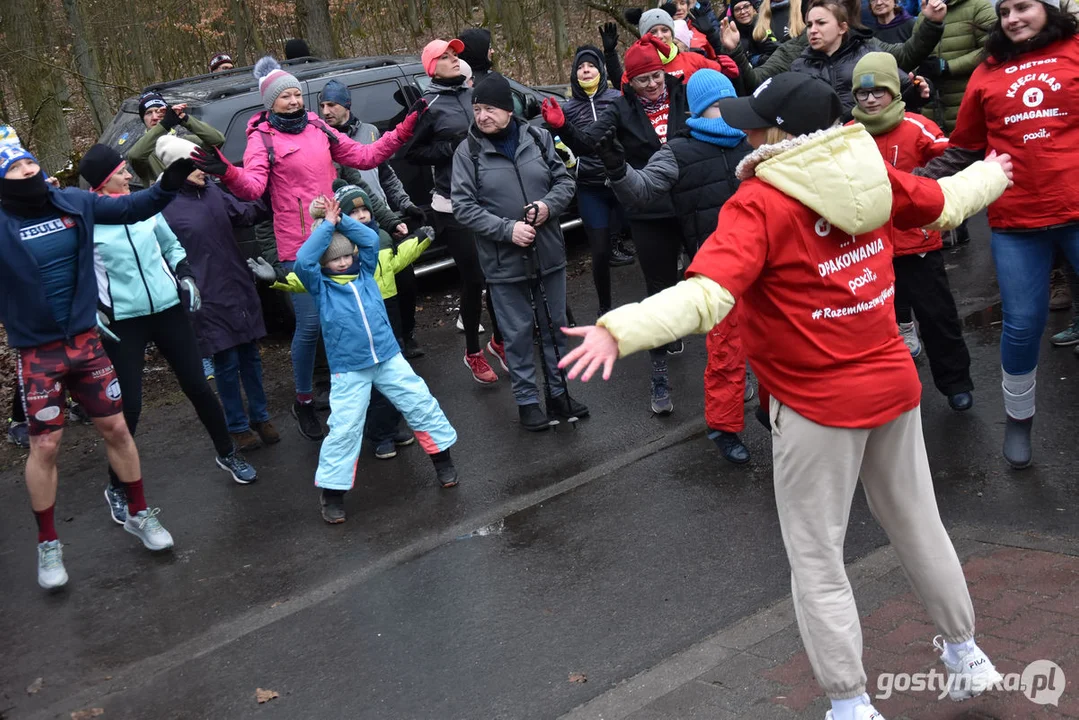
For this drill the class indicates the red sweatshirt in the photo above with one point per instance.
(1028, 107)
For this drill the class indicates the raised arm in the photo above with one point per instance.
(355, 154)
(638, 188)
(128, 209)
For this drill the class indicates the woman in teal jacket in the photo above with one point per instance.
(142, 272)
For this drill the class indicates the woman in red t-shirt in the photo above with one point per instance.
(812, 261)
(1022, 100)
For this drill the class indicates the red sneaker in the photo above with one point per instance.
(499, 351)
(480, 369)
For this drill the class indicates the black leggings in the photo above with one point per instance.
(659, 244)
(462, 246)
(171, 332)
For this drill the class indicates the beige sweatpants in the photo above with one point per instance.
(816, 471)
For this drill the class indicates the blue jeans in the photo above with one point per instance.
(304, 339)
(1024, 261)
(241, 365)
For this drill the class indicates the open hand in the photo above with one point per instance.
(608, 34)
(333, 210)
(599, 349)
(552, 113)
(729, 34)
(1005, 162)
(934, 10)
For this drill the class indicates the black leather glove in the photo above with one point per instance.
(211, 163)
(171, 119)
(608, 33)
(176, 174)
(611, 154)
(416, 213)
(420, 106)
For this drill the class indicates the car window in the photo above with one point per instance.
(422, 81)
(236, 135)
(382, 104)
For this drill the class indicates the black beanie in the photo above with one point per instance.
(296, 48)
(493, 90)
(99, 164)
(150, 99)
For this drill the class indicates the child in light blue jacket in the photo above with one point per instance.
(337, 264)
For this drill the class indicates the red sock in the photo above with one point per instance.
(136, 502)
(46, 530)
(305, 398)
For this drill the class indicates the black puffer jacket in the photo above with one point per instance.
(635, 132)
(581, 111)
(440, 130)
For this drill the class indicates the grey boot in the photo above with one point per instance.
(1017, 442)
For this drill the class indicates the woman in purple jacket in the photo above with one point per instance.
(599, 209)
(229, 323)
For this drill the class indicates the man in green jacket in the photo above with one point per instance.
(957, 54)
(160, 119)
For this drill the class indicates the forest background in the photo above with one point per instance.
(65, 65)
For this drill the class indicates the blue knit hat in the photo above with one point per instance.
(11, 154)
(335, 92)
(705, 87)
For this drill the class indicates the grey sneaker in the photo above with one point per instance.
(18, 434)
(660, 399)
(240, 470)
(117, 500)
(50, 565)
(145, 526)
(750, 391)
(1067, 337)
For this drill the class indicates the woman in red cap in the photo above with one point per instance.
(444, 126)
(653, 106)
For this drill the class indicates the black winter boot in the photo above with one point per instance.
(444, 469)
(533, 418)
(564, 407)
(730, 445)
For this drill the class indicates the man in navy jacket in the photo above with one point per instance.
(48, 305)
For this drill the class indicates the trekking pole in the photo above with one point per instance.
(529, 265)
(530, 274)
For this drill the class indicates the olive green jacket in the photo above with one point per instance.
(144, 162)
(965, 29)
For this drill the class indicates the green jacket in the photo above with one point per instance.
(144, 162)
(908, 55)
(390, 262)
(965, 29)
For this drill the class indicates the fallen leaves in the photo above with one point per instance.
(35, 686)
(578, 678)
(265, 696)
(87, 714)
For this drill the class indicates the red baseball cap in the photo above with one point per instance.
(433, 50)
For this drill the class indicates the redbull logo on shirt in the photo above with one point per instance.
(47, 227)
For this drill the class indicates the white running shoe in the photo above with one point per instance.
(461, 325)
(861, 712)
(910, 339)
(145, 526)
(971, 675)
(50, 565)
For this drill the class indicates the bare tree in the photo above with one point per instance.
(561, 40)
(313, 19)
(88, 66)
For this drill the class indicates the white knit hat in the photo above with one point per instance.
(170, 148)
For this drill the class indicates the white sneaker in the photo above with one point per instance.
(861, 712)
(971, 675)
(461, 325)
(50, 565)
(910, 339)
(145, 526)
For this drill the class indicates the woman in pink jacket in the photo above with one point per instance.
(292, 152)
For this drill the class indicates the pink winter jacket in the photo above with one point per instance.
(302, 170)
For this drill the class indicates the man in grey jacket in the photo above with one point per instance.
(509, 187)
(389, 199)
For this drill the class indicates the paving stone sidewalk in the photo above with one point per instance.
(1027, 605)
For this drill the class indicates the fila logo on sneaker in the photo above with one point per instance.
(972, 664)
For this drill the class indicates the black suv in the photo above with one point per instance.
(382, 90)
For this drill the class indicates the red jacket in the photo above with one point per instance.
(823, 337)
(1029, 108)
(911, 144)
(686, 63)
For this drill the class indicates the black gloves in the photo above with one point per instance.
(933, 67)
(176, 174)
(416, 213)
(171, 119)
(608, 33)
(612, 154)
(210, 163)
(420, 106)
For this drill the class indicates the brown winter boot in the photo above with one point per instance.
(267, 432)
(246, 441)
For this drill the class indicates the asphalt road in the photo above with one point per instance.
(598, 552)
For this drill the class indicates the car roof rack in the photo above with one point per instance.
(238, 80)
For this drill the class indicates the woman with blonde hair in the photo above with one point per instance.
(781, 18)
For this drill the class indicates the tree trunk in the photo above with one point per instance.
(412, 15)
(561, 36)
(89, 67)
(248, 44)
(318, 28)
(39, 86)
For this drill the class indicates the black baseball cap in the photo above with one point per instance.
(793, 102)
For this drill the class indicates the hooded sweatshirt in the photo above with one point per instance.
(897, 31)
(477, 44)
(806, 243)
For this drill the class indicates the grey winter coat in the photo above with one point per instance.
(490, 197)
(440, 129)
